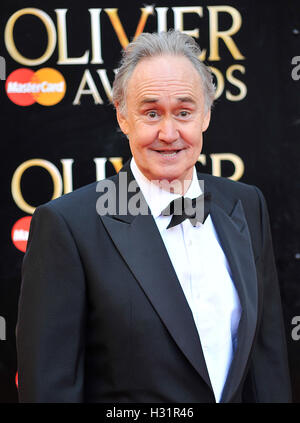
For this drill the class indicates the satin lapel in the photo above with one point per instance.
(234, 236)
(138, 241)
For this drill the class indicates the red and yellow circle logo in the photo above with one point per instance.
(46, 86)
(20, 232)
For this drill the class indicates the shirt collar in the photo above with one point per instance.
(157, 198)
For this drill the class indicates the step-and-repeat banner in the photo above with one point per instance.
(59, 131)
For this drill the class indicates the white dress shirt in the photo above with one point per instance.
(205, 277)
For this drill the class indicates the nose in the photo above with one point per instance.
(168, 131)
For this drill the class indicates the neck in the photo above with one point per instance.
(176, 186)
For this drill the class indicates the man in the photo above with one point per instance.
(125, 306)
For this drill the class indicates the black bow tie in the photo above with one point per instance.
(196, 209)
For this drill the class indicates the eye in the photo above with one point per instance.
(152, 114)
(184, 113)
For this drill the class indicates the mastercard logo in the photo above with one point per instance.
(46, 86)
(20, 232)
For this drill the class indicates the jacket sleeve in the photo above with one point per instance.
(269, 365)
(51, 316)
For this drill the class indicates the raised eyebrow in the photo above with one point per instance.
(148, 100)
(179, 100)
(186, 100)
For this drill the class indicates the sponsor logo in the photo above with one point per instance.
(20, 232)
(46, 86)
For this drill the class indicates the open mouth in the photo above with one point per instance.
(168, 153)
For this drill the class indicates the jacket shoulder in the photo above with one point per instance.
(222, 183)
(80, 203)
(226, 193)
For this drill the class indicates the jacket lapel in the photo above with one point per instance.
(233, 232)
(138, 241)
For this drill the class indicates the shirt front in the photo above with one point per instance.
(204, 275)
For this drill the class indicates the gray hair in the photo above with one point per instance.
(146, 45)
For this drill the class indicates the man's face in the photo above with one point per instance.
(165, 117)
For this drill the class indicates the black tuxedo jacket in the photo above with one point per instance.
(103, 318)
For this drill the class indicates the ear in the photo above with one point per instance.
(122, 120)
(206, 121)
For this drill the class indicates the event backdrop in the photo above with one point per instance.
(59, 132)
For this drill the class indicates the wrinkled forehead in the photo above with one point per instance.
(175, 75)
